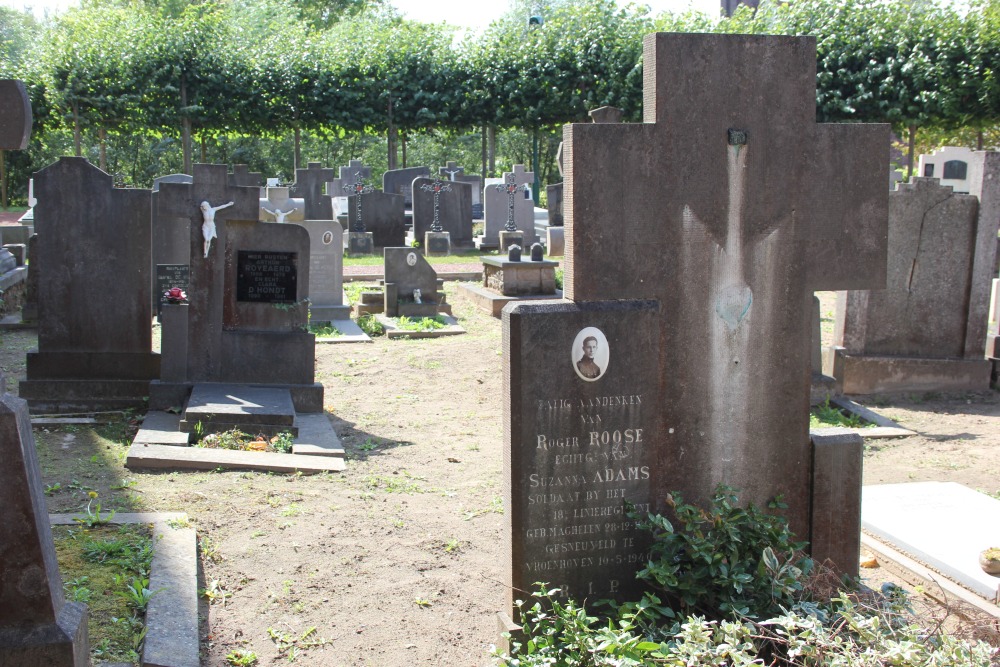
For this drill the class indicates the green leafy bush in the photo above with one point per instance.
(370, 325)
(422, 324)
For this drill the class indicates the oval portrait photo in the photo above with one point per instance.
(590, 353)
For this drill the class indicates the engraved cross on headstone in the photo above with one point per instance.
(511, 188)
(437, 187)
(700, 226)
(358, 188)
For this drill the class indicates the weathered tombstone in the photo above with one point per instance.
(348, 174)
(554, 195)
(456, 173)
(384, 217)
(695, 298)
(29, 311)
(247, 313)
(926, 331)
(326, 271)
(954, 166)
(169, 276)
(309, 187)
(38, 628)
(400, 182)
(501, 206)
(449, 202)
(94, 292)
(359, 240)
(407, 276)
(170, 235)
(278, 206)
(606, 115)
(15, 115)
(241, 176)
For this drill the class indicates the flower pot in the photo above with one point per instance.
(990, 565)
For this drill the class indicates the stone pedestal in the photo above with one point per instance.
(437, 244)
(360, 243)
(173, 342)
(555, 242)
(507, 239)
(525, 278)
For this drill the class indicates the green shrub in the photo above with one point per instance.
(370, 325)
(422, 324)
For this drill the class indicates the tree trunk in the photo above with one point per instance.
(204, 150)
(391, 140)
(298, 148)
(402, 142)
(483, 170)
(492, 151)
(911, 150)
(979, 139)
(102, 140)
(76, 130)
(185, 128)
(3, 179)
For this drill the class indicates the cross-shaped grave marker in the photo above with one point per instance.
(309, 186)
(358, 188)
(452, 170)
(510, 187)
(690, 276)
(437, 187)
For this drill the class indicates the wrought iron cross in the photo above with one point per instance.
(437, 187)
(511, 188)
(358, 188)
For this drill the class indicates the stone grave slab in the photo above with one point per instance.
(94, 293)
(941, 524)
(166, 457)
(452, 172)
(450, 202)
(407, 273)
(38, 628)
(507, 200)
(349, 332)
(953, 166)
(392, 329)
(234, 404)
(492, 302)
(400, 182)
(308, 186)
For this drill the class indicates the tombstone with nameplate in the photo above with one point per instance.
(93, 292)
(308, 186)
(247, 312)
(509, 208)
(646, 381)
(954, 166)
(326, 271)
(926, 331)
(400, 182)
(443, 206)
(170, 236)
(169, 276)
(347, 174)
(412, 287)
(38, 628)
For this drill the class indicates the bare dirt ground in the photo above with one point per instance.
(397, 561)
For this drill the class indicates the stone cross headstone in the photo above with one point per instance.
(683, 361)
(94, 292)
(456, 173)
(242, 176)
(358, 189)
(354, 169)
(278, 206)
(348, 174)
(38, 628)
(926, 331)
(510, 189)
(498, 207)
(384, 217)
(309, 187)
(15, 115)
(450, 204)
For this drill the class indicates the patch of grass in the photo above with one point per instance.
(115, 561)
(826, 415)
(393, 483)
(495, 507)
(370, 325)
(241, 658)
(324, 330)
(238, 440)
(422, 324)
(290, 644)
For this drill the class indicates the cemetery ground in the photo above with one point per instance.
(398, 560)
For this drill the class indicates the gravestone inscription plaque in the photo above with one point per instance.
(170, 275)
(264, 276)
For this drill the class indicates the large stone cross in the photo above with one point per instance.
(728, 205)
(354, 169)
(452, 171)
(309, 185)
(208, 275)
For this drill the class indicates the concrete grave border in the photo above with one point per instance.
(349, 330)
(884, 427)
(172, 615)
(451, 328)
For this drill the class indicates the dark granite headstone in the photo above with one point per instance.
(454, 209)
(927, 330)
(384, 217)
(309, 185)
(241, 176)
(406, 270)
(265, 276)
(452, 172)
(15, 115)
(170, 234)
(38, 628)
(400, 182)
(721, 358)
(554, 195)
(498, 207)
(94, 292)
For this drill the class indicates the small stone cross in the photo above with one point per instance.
(437, 187)
(511, 188)
(452, 170)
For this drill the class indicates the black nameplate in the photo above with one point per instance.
(170, 275)
(264, 276)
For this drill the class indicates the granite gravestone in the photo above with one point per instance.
(408, 274)
(454, 209)
(15, 115)
(308, 186)
(170, 235)
(498, 208)
(400, 182)
(326, 271)
(954, 166)
(241, 176)
(248, 311)
(683, 283)
(384, 217)
(348, 174)
(93, 293)
(38, 628)
(453, 172)
(926, 331)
